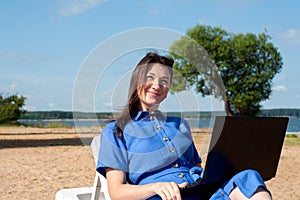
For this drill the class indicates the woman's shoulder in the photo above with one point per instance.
(111, 123)
(110, 127)
(110, 132)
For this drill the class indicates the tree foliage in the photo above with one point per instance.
(11, 108)
(246, 63)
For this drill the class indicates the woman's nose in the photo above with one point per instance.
(155, 84)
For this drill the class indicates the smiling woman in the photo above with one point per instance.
(150, 155)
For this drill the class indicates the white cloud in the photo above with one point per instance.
(51, 105)
(280, 88)
(281, 77)
(108, 104)
(11, 87)
(30, 108)
(291, 36)
(76, 7)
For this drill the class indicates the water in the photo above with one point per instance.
(293, 126)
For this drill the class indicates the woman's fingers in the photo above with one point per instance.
(182, 185)
(169, 191)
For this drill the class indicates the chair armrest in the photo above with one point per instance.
(100, 188)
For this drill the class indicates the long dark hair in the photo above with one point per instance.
(137, 80)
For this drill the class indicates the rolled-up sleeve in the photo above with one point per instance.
(113, 151)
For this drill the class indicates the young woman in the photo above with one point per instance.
(147, 155)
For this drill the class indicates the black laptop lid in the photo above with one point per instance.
(240, 143)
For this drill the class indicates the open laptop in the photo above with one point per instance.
(239, 143)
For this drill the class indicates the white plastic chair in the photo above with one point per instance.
(99, 190)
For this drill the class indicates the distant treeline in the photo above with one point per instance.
(287, 112)
(41, 115)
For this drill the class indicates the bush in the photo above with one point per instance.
(291, 136)
(11, 108)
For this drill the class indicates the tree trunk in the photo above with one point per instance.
(228, 109)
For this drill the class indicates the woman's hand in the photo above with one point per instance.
(168, 190)
(119, 189)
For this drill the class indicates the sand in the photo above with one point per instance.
(36, 163)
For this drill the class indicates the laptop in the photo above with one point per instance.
(240, 143)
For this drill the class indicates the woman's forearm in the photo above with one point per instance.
(132, 192)
(119, 190)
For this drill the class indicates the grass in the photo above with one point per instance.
(292, 140)
(40, 125)
(57, 125)
(7, 124)
(51, 125)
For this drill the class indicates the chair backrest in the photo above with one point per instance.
(95, 146)
(100, 190)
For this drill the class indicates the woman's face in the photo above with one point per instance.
(156, 87)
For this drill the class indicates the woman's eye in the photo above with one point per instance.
(149, 78)
(164, 82)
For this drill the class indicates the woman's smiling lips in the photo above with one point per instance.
(154, 94)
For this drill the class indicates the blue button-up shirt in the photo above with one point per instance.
(154, 148)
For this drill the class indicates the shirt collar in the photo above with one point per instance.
(141, 115)
(146, 114)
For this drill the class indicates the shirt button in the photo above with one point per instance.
(172, 150)
(175, 165)
(222, 193)
(158, 127)
(165, 139)
(181, 175)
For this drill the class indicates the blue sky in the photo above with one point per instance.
(45, 43)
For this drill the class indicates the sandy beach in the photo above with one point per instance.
(36, 163)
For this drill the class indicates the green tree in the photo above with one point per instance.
(246, 63)
(11, 108)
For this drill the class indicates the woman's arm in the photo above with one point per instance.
(119, 189)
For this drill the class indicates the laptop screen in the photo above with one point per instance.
(240, 143)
